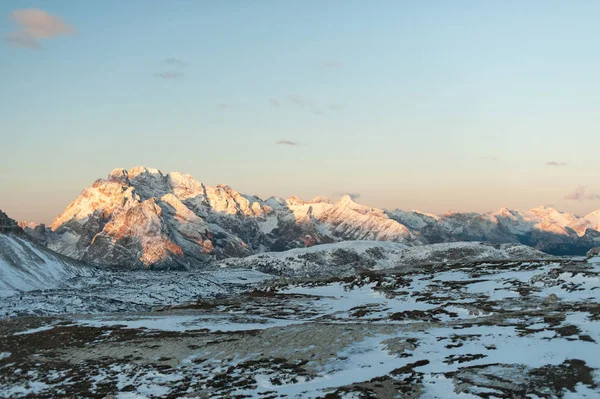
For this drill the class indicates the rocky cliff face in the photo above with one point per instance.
(143, 217)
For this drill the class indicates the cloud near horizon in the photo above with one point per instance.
(172, 73)
(299, 100)
(488, 158)
(354, 196)
(169, 75)
(579, 194)
(174, 62)
(36, 25)
(287, 142)
(556, 163)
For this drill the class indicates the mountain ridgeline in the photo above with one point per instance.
(144, 218)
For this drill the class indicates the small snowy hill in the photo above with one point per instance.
(25, 266)
(467, 252)
(345, 258)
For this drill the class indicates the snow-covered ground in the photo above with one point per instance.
(344, 258)
(502, 329)
(107, 291)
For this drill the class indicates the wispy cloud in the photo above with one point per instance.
(295, 100)
(223, 106)
(556, 163)
(299, 100)
(173, 71)
(36, 25)
(488, 158)
(305, 103)
(169, 75)
(287, 142)
(174, 62)
(331, 64)
(580, 194)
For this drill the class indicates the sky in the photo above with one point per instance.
(429, 105)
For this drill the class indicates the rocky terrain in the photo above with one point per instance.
(143, 217)
(352, 319)
(504, 329)
(372, 311)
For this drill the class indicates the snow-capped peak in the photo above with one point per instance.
(346, 200)
(138, 170)
(320, 199)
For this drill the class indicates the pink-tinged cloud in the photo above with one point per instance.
(36, 25)
(580, 194)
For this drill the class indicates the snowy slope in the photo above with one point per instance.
(25, 266)
(336, 259)
(115, 291)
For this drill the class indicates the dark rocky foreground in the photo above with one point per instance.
(479, 330)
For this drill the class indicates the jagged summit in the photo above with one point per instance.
(346, 200)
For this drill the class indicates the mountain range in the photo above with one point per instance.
(143, 217)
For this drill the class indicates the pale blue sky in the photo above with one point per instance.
(433, 105)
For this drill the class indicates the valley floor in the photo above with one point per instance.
(478, 330)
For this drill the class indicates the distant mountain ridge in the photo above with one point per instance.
(143, 217)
